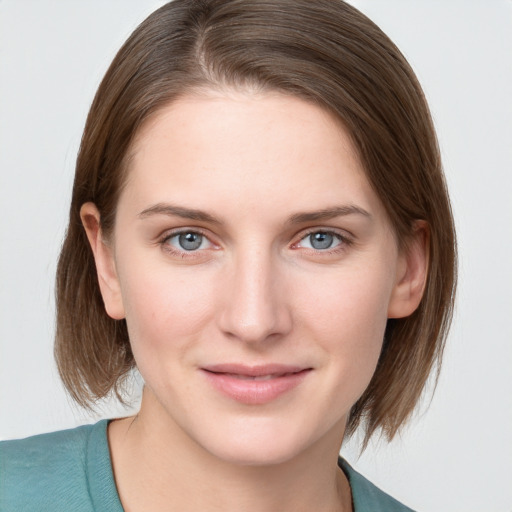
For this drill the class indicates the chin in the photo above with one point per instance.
(255, 455)
(257, 445)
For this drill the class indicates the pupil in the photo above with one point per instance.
(321, 240)
(190, 241)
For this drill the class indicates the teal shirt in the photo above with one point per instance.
(71, 470)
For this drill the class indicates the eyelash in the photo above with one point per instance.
(183, 254)
(345, 241)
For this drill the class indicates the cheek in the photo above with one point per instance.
(165, 310)
(347, 316)
(348, 301)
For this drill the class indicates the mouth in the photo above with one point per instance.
(258, 377)
(255, 385)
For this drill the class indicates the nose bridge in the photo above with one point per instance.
(255, 307)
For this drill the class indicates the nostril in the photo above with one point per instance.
(252, 325)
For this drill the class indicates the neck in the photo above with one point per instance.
(158, 467)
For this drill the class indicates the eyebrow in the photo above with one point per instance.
(178, 211)
(328, 213)
(298, 218)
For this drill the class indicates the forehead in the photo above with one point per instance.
(244, 148)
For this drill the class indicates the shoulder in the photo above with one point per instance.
(366, 496)
(48, 471)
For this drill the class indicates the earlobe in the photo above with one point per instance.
(411, 274)
(105, 263)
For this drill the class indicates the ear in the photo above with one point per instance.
(411, 273)
(105, 262)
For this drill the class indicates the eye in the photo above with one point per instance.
(188, 241)
(321, 240)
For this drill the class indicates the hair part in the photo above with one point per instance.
(325, 52)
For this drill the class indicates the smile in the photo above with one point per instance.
(254, 385)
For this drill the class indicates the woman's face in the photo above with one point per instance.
(256, 269)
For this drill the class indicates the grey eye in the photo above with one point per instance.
(321, 240)
(185, 241)
(190, 241)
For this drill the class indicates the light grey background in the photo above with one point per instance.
(457, 454)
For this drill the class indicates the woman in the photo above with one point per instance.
(260, 225)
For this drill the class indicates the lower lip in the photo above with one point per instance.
(255, 392)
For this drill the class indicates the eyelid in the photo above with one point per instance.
(341, 233)
(169, 233)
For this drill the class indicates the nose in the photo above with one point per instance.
(255, 306)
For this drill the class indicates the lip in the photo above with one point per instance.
(254, 385)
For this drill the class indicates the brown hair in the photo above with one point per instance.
(323, 51)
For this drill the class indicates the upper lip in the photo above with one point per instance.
(254, 370)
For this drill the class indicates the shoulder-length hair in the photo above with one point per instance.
(325, 52)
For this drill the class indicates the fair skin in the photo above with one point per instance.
(247, 243)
